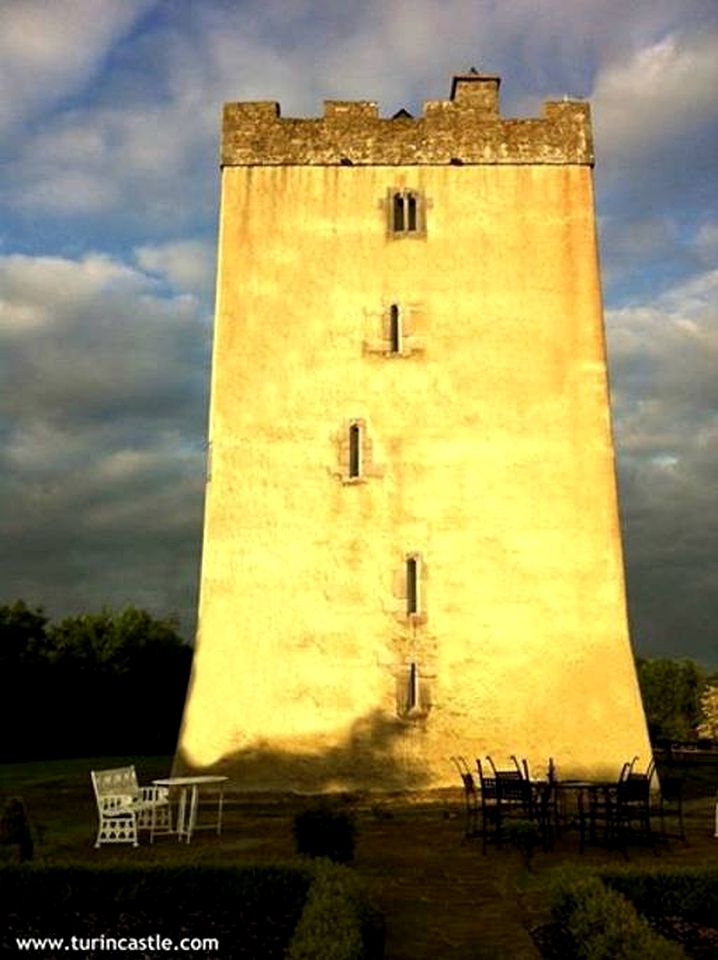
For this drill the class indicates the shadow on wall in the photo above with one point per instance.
(376, 755)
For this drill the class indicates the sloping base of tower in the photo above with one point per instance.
(383, 753)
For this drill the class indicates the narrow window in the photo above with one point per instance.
(413, 691)
(411, 211)
(394, 329)
(412, 585)
(398, 212)
(354, 450)
(406, 212)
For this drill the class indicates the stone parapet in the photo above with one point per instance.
(467, 129)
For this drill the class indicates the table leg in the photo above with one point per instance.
(219, 810)
(192, 812)
(181, 813)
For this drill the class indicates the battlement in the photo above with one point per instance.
(466, 129)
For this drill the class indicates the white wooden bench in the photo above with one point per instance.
(124, 808)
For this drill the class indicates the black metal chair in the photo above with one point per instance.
(490, 808)
(471, 797)
(510, 795)
(597, 814)
(523, 767)
(633, 808)
(633, 805)
(670, 804)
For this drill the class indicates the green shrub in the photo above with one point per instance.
(525, 835)
(252, 911)
(15, 828)
(602, 925)
(690, 892)
(338, 921)
(324, 831)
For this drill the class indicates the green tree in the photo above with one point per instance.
(95, 683)
(671, 691)
(22, 633)
(708, 727)
(114, 642)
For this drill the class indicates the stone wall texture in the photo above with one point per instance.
(467, 129)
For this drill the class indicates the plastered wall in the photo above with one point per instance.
(488, 454)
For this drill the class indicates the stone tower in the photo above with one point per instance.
(411, 542)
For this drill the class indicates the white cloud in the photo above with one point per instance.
(658, 94)
(103, 160)
(42, 292)
(188, 265)
(106, 344)
(50, 50)
(152, 156)
(665, 358)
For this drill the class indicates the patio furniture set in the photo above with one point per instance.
(607, 812)
(124, 808)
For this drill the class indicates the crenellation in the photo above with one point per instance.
(350, 109)
(246, 111)
(466, 128)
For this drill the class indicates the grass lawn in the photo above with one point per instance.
(441, 897)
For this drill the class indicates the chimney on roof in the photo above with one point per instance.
(479, 91)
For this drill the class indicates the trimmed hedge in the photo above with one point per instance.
(338, 922)
(601, 924)
(318, 911)
(69, 886)
(689, 892)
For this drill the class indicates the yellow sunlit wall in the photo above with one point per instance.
(486, 450)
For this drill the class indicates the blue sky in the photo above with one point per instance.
(109, 130)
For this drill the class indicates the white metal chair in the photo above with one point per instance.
(124, 808)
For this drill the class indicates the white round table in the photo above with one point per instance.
(187, 819)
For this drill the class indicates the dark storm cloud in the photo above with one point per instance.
(103, 413)
(664, 361)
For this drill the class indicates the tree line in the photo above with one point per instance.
(107, 683)
(680, 699)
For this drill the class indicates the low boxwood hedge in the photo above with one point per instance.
(338, 921)
(599, 923)
(689, 892)
(264, 911)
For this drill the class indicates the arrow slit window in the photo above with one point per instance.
(412, 700)
(412, 585)
(394, 329)
(355, 438)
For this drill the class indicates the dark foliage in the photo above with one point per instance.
(690, 892)
(15, 828)
(596, 922)
(671, 691)
(338, 922)
(268, 912)
(251, 911)
(324, 831)
(107, 683)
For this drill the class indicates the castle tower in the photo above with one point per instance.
(411, 541)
